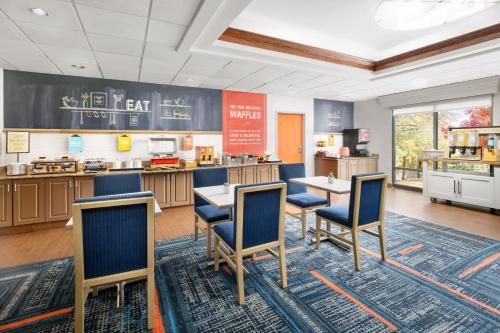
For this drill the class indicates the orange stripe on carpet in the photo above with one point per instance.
(352, 299)
(35, 318)
(158, 325)
(265, 256)
(439, 284)
(410, 249)
(484, 263)
(226, 269)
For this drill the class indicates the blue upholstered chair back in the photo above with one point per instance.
(117, 184)
(207, 177)
(295, 170)
(114, 238)
(261, 215)
(370, 198)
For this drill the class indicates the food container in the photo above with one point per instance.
(433, 154)
(137, 163)
(16, 169)
(117, 164)
(129, 164)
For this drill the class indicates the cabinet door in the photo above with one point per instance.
(441, 186)
(29, 201)
(372, 165)
(343, 173)
(234, 175)
(180, 188)
(353, 168)
(275, 172)
(363, 165)
(161, 189)
(263, 173)
(5, 203)
(59, 196)
(248, 175)
(147, 183)
(476, 191)
(84, 187)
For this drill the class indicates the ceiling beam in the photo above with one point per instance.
(455, 43)
(252, 39)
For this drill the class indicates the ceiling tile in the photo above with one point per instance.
(14, 48)
(164, 52)
(61, 14)
(183, 13)
(116, 60)
(238, 69)
(257, 79)
(54, 36)
(124, 76)
(34, 64)
(9, 31)
(165, 33)
(112, 23)
(115, 45)
(206, 66)
(5, 65)
(133, 7)
(189, 80)
(90, 70)
(170, 66)
(153, 76)
(68, 56)
(218, 83)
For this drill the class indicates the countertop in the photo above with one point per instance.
(345, 158)
(4, 176)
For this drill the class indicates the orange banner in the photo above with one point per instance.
(244, 125)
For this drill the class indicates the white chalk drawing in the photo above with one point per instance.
(175, 109)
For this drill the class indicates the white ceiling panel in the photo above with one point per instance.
(164, 52)
(31, 64)
(61, 14)
(215, 82)
(238, 69)
(116, 60)
(5, 65)
(68, 56)
(165, 33)
(90, 70)
(174, 11)
(259, 78)
(189, 80)
(116, 45)
(54, 36)
(162, 66)
(107, 22)
(14, 48)
(203, 65)
(155, 76)
(9, 31)
(133, 7)
(124, 75)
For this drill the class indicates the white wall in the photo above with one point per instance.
(288, 104)
(376, 114)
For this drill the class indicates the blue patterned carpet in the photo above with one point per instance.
(436, 280)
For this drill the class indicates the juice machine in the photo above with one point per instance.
(163, 151)
(205, 155)
(464, 144)
(492, 151)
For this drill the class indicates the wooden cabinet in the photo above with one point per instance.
(84, 187)
(28, 201)
(343, 168)
(353, 167)
(5, 203)
(59, 196)
(181, 185)
(346, 167)
(234, 175)
(147, 183)
(249, 175)
(263, 173)
(161, 189)
(275, 172)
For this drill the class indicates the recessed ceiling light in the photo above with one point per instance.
(39, 12)
(78, 66)
(423, 14)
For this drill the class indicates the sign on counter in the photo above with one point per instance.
(18, 142)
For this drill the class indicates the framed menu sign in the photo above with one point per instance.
(18, 142)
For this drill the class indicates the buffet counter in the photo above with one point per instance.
(344, 168)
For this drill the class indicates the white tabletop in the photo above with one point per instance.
(216, 195)
(69, 224)
(339, 186)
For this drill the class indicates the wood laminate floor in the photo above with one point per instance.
(55, 242)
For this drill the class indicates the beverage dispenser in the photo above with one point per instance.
(492, 151)
(452, 142)
(473, 142)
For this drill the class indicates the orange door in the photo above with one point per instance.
(291, 137)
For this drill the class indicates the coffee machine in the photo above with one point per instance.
(357, 141)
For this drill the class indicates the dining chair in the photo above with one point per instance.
(203, 211)
(259, 225)
(297, 195)
(366, 210)
(114, 242)
(117, 184)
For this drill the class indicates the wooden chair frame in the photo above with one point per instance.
(84, 286)
(355, 229)
(235, 257)
(302, 215)
(207, 230)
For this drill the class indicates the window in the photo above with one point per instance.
(426, 126)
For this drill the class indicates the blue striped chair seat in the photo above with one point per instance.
(210, 213)
(226, 231)
(117, 184)
(337, 213)
(305, 200)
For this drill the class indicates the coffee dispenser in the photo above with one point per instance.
(357, 141)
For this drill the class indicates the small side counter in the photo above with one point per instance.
(344, 168)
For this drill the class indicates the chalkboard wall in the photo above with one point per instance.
(46, 101)
(333, 116)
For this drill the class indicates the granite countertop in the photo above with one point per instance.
(4, 175)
